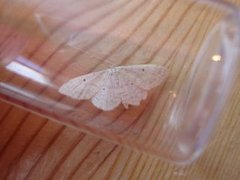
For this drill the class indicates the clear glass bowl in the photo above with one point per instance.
(45, 44)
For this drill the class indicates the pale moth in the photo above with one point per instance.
(123, 84)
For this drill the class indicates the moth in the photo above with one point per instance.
(109, 88)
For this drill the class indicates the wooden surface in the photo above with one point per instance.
(32, 147)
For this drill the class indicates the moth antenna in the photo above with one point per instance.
(38, 18)
(125, 105)
(110, 63)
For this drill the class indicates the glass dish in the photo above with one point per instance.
(45, 44)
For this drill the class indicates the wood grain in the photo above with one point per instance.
(166, 32)
(36, 148)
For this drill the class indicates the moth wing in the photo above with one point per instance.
(83, 87)
(144, 76)
(131, 93)
(106, 100)
(108, 97)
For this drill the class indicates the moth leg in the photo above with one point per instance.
(125, 105)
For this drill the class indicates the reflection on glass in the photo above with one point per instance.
(216, 58)
(25, 68)
(34, 97)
